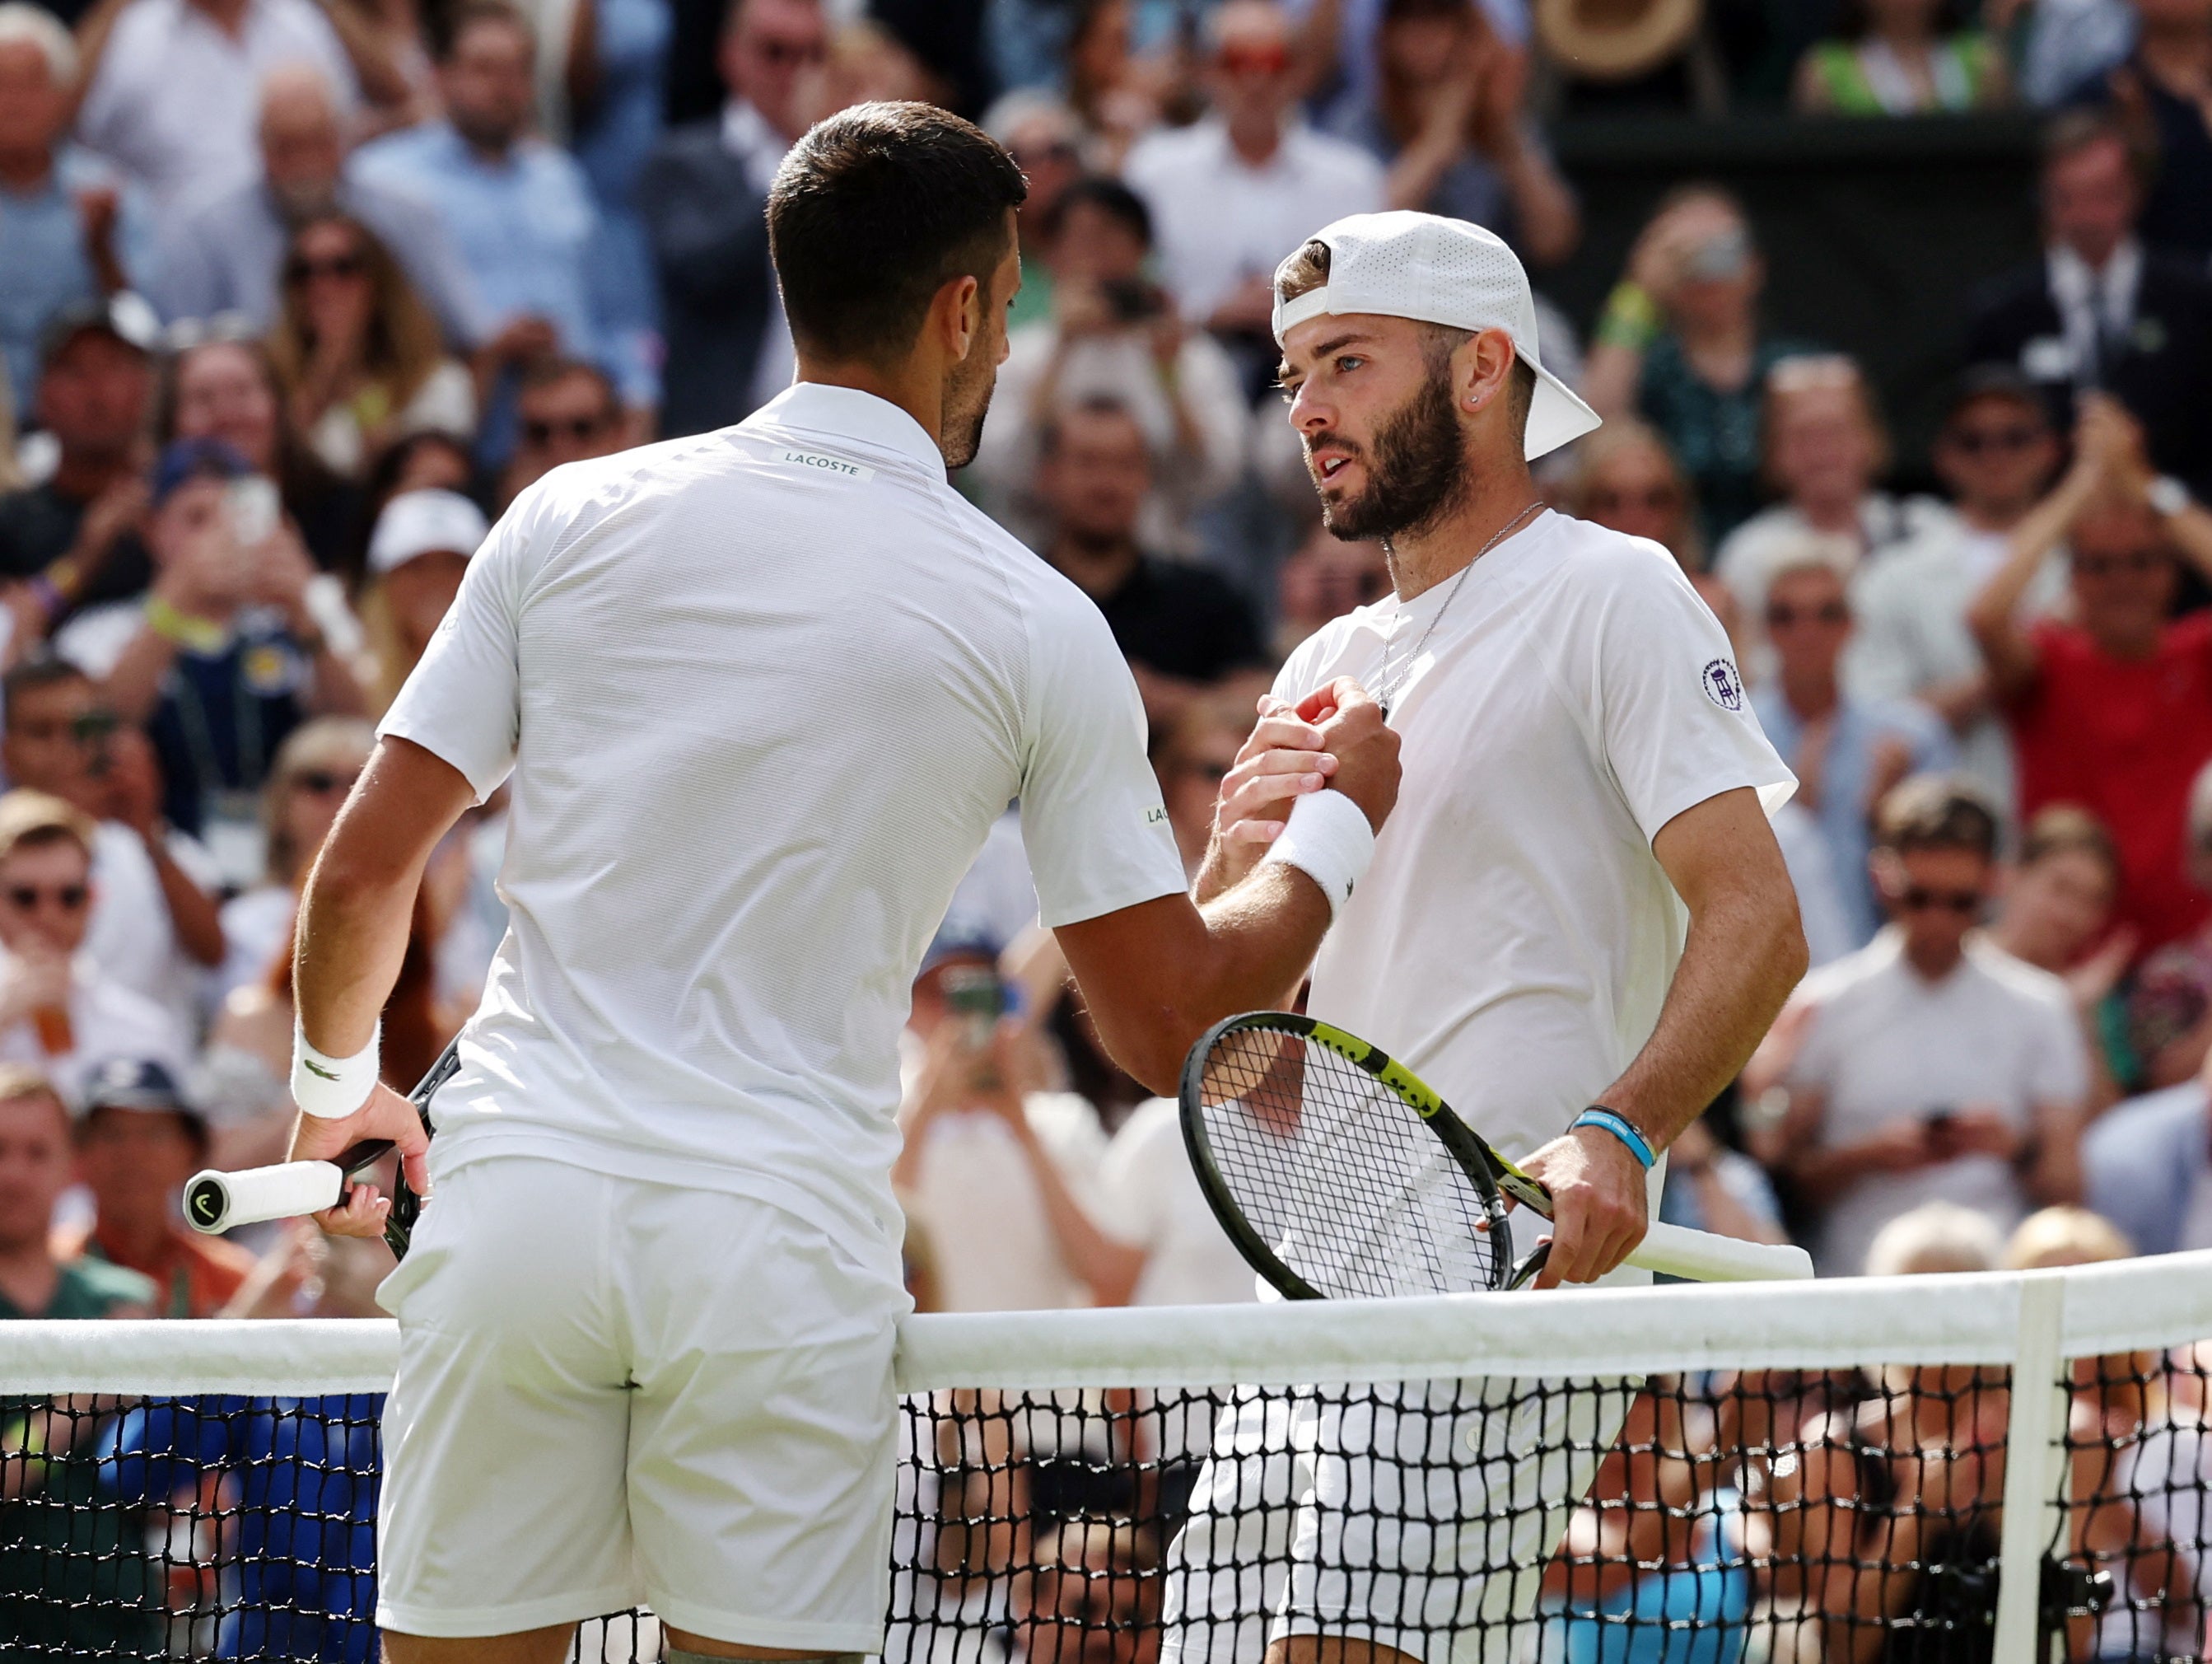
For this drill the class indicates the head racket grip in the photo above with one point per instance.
(1695, 1256)
(216, 1201)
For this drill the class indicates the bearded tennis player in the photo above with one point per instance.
(760, 695)
(1577, 925)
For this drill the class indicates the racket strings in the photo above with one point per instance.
(1341, 1177)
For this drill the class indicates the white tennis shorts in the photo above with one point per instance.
(613, 1393)
(1417, 1517)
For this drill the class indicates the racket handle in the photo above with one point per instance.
(216, 1201)
(1702, 1257)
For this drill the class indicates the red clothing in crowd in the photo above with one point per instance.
(2124, 740)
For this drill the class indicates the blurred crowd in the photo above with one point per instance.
(296, 295)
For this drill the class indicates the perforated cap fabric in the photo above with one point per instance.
(1439, 271)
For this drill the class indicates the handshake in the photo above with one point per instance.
(1334, 739)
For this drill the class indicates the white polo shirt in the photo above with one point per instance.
(1514, 936)
(762, 692)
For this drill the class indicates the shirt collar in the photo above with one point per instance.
(747, 136)
(849, 413)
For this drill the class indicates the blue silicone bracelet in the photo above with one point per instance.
(1620, 1127)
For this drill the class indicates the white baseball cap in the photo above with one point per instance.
(424, 522)
(1423, 266)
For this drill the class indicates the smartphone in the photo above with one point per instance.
(1723, 255)
(1132, 299)
(976, 998)
(254, 510)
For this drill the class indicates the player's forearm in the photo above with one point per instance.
(1745, 952)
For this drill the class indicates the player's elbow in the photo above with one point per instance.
(1785, 954)
(1150, 1045)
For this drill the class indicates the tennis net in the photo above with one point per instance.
(1988, 1468)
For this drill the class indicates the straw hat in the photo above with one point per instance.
(1614, 39)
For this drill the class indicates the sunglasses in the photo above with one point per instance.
(1651, 497)
(784, 54)
(25, 897)
(301, 269)
(321, 783)
(1918, 898)
(2103, 566)
(1832, 611)
(575, 428)
(1254, 60)
(1980, 442)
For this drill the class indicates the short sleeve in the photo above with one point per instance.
(1674, 718)
(2059, 1062)
(1093, 821)
(1814, 1064)
(463, 701)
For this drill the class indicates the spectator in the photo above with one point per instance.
(2147, 1166)
(516, 207)
(358, 355)
(1927, 1066)
(1045, 138)
(1679, 343)
(226, 389)
(999, 1178)
(1178, 626)
(2054, 915)
(1846, 753)
(704, 198)
(34, 1170)
(1191, 753)
(1325, 579)
(2057, 43)
(2170, 1005)
(1995, 454)
(155, 927)
(1082, 1600)
(1824, 448)
(2164, 86)
(225, 658)
(1451, 123)
(1710, 1188)
(69, 232)
(567, 411)
(2113, 710)
(1114, 335)
(138, 1139)
(1230, 194)
(73, 535)
(224, 256)
(1627, 481)
(420, 548)
(2100, 312)
(1901, 58)
(1116, 96)
(56, 1011)
(1151, 1200)
(174, 89)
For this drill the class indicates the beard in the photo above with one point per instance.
(967, 402)
(1416, 472)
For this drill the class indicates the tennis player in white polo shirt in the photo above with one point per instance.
(761, 695)
(1577, 925)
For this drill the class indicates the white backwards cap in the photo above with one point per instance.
(1436, 270)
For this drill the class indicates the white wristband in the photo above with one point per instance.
(331, 1087)
(1328, 838)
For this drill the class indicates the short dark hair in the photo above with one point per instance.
(545, 372)
(2068, 829)
(1308, 270)
(876, 210)
(43, 668)
(1052, 429)
(2069, 134)
(1110, 197)
(1936, 812)
(471, 12)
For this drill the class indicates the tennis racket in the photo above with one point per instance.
(216, 1201)
(1340, 1175)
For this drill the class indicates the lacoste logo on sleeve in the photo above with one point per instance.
(1722, 686)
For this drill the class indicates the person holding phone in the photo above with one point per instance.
(1929, 1065)
(224, 656)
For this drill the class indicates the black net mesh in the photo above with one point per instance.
(1337, 1177)
(1789, 1518)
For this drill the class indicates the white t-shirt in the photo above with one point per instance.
(1884, 1043)
(762, 692)
(1151, 1200)
(176, 100)
(1514, 936)
(106, 1019)
(981, 1216)
(1217, 220)
(130, 936)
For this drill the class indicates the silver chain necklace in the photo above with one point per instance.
(1387, 695)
